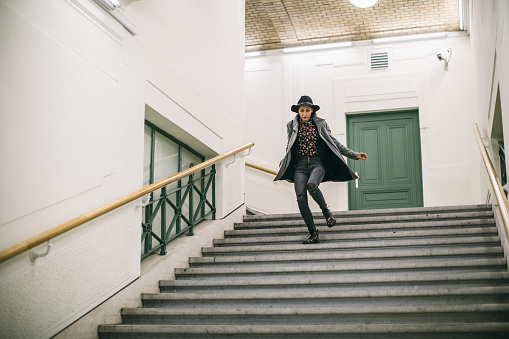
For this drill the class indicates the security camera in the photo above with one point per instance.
(440, 57)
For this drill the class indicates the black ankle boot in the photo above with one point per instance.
(329, 218)
(313, 238)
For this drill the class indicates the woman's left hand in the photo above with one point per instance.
(362, 156)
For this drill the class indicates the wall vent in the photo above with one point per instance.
(379, 61)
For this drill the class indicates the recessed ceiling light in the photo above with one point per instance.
(363, 3)
(317, 47)
(410, 37)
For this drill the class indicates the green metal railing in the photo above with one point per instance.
(183, 205)
(173, 204)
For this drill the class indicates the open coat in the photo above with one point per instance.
(331, 152)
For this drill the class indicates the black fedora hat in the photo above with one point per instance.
(305, 101)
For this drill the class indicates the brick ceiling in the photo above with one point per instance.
(276, 24)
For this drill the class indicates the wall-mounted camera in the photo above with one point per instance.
(445, 59)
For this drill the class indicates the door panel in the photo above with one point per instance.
(391, 177)
(398, 157)
(370, 141)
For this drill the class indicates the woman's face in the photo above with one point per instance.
(305, 113)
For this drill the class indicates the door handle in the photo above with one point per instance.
(357, 180)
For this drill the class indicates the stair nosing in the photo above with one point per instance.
(319, 310)
(307, 329)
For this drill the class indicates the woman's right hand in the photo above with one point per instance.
(362, 156)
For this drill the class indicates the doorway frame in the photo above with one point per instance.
(420, 172)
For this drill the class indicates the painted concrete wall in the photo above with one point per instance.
(341, 82)
(153, 269)
(75, 90)
(490, 46)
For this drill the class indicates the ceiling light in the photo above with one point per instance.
(316, 47)
(109, 4)
(409, 37)
(363, 3)
(252, 54)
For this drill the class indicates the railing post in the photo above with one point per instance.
(214, 191)
(202, 191)
(178, 196)
(163, 221)
(191, 205)
(148, 225)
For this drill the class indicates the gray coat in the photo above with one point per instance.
(331, 152)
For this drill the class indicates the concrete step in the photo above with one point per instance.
(313, 282)
(329, 298)
(405, 212)
(367, 244)
(415, 331)
(485, 313)
(329, 263)
(474, 265)
(478, 252)
(361, 222)
(342, 219)
(242, 230)
(371, 236)
(379, 212)
(399, 273)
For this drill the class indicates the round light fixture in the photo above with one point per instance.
(363, 3)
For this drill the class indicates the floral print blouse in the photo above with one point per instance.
(307, 141)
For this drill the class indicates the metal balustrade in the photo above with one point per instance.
(156, 211)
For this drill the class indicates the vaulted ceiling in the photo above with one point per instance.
(276, 24)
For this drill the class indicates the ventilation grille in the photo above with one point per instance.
(379, 61)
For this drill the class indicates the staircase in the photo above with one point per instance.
(401, 273)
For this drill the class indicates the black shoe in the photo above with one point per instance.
(313, 238)
(329, 218)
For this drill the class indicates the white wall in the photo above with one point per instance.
(490, 46)
(74, 92)
(341, 82)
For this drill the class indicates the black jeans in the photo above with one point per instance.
(309, 173)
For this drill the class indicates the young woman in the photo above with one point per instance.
(313, 156)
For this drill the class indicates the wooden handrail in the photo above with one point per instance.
(67, 226)
(260, 168)
(503, 204)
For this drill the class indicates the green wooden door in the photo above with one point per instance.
(392, 175)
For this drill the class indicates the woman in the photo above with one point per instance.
(313, 156)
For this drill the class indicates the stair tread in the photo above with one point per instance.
(365, 223)
(319, 310)
(348, 218)
(309, 280)
(345, 244)
(326, 266)
(363, 235)
(343, 255)
(248, 229)
(321, 294)
(309, 329)
(416, 210)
